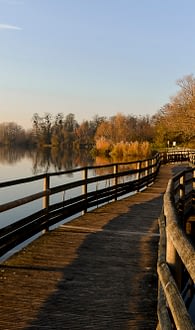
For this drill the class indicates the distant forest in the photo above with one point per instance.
(175, 121)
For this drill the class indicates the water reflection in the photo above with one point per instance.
(19, 163)
(46, 159)
(12, 155)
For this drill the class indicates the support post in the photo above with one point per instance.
(147, 170)
(193, 187)
(172, 257)
(115, 170)
(182, 195)
(174, 261)
(154, 168)
(46, 188)
(138, 173)
(84, 189)
(46, 184)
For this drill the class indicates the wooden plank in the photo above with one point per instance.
(97, 271)
(98, 265)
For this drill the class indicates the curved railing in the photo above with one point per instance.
(97, 185)
(94, 186)
(176, 260)
(179, 155)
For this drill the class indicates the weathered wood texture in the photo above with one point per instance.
(179, 312)
(96, 272)
(176, 253)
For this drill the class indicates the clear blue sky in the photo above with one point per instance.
(91, 57)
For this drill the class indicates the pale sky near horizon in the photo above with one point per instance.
(92, 57)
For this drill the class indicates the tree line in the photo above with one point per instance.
(175, 121)
(65, 131)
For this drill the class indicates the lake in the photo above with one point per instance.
(17, 163)
(20, 163)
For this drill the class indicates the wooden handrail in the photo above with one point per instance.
(157, 157)
(24, 200)
(138, 175)
(176, 304)
(176, 251)
(86, 181)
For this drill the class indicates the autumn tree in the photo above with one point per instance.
(84, 134)
(12, 134)
(178, 116)
(104, 131)
(143, 129)
(119, 128)
(57, 130)
(69, 128)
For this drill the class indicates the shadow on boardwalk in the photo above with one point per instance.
(96, 272)
(110, 285)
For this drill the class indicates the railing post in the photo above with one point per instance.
(172, 257)
(147, 169)
(182, 186)
(156, 161)
(46, 188)
(84, 188)
(153, 162)
(46, 185)
(174, 261)
(139, 164)
(193, 188)
(182, 194)
(115, 170)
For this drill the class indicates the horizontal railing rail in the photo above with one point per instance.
(178, 155)
(176, 259)
(94, 186)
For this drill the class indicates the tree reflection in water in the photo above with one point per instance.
(46, 159)
(10, 155)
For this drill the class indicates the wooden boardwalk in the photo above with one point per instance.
(96, 272)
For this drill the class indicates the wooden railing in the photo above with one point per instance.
(100, 184)
(176, 260)
(96, 185)
(178, 155)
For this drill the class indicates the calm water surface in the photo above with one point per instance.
(16, 164)
(20, 163)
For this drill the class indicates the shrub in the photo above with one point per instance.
(131, 149)
(103, 146)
